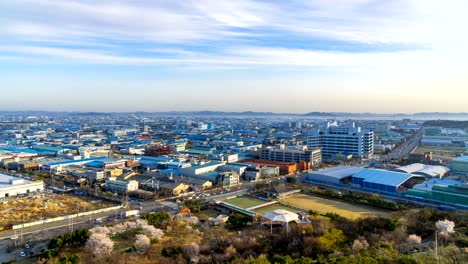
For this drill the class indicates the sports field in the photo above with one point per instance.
(272, 208)
(322, 205)
(244, 202)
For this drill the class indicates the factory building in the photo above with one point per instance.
(336, 175)
(429, 171)
(13, 186)
(334, 139)
(441, 191)
(385, 181)
(121, 186)
(283, 154)
(460, 164)
(200, 169)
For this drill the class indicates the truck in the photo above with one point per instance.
(129, 213)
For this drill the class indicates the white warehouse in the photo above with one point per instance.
(13, 186)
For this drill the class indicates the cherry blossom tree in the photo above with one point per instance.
(142, 243)
(414, 240)
(100, 244)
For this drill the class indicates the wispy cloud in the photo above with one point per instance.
(213, 32)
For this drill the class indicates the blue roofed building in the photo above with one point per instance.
(385, 181)
(336, 175)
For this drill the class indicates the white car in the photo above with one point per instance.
(22, 254)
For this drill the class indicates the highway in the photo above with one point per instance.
(402, 151)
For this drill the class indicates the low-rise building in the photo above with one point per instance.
(200, 169)
(460, 164)
(121, 186)
(230, 178)
(11, 186)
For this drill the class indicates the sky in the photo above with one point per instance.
(299, 56)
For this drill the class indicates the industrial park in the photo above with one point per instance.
(233, 131)
(59, 175)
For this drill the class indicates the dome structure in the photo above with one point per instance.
(279, 216)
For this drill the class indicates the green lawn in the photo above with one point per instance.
(244, 202)
(272, 208)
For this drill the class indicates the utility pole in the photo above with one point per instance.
(22, 227)
(436, 248)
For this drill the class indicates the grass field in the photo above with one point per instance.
(444, 153)
(272, 208)
(244, 202)
(322, 205)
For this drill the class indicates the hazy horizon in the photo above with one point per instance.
(264, 56)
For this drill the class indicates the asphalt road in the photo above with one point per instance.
(402, 151)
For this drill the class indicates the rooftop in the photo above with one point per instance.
(208, 164)
(461, 159)
(390, 178)
(338, 172)
(427, 185)
(419, 168)
(5, 180)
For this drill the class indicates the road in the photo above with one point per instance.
(402, 151)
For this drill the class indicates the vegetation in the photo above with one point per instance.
(76, 238)
(237, 220)
(336, 239)
(194, 205)
(157, 219)
(373, 200)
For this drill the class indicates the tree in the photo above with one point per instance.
(152, 232)
(262, 259)
(360, 244)
(331, 241)
(157, 219)
(193, 205)
(142, 243)
(70, 259)
(237, 220)
(100, 244)
(445, 227)
(414, 240)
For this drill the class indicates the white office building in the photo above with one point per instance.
(349, 139)
(283, 154)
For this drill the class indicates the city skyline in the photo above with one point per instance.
(272, 56)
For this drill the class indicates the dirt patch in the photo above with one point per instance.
(322, 205)
(46, 206)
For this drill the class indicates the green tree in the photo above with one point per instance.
(331, 241)
(158, 219)
(193, 205)
(262, 259)
(70, 259)
(237, 220)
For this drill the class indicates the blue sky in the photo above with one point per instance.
(282, 56)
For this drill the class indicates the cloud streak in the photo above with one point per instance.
(216, 32)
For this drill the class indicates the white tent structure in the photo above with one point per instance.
(279, 216)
